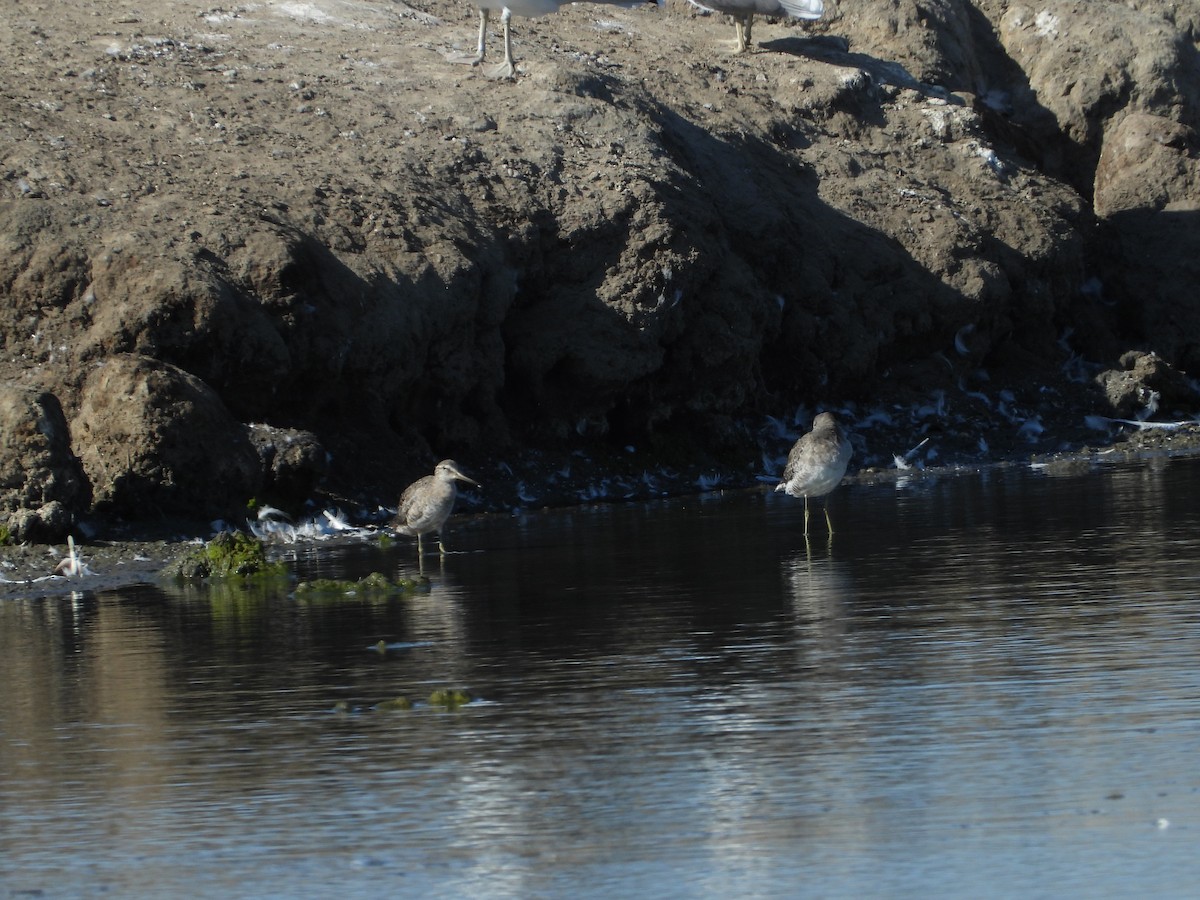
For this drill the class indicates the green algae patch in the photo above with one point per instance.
(442, 699)
(399, 704)
(374, 585)
(231, 554)
(449, 698)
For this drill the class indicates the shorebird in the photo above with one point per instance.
(743, 12)
(816, 464)
(531, 9)
(425, 504)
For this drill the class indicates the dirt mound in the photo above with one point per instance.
(324, 223)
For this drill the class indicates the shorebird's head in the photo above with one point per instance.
(448, 470)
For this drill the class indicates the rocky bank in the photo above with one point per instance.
(287, 250)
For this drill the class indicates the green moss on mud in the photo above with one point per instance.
(449, 698)
(231, 554)
(399, 704)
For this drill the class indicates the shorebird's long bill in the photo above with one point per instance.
(461, 477)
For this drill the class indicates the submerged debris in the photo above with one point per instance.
(442, 698)
(383, 648)
(374, 585)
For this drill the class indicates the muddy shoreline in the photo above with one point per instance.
(121, 555)
(269, 249)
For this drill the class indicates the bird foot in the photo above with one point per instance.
(746, 49)
(464, 59)
(504, 71)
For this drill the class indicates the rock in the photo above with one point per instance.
(46, 524)
(155, 440)
(170, 304)
(1088, 64)
(1148, 163)
(42, 484)
(1148, 190)
(293, 461)
(1145, 385)
(928, 41)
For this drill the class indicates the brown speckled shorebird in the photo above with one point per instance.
(425, 504)
(817, 463)
(744, 11)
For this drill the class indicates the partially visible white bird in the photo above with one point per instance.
(817, 463)
(337, 521)
(73, 566)
(530, 9)
(425, 504)
(272, 514)
(743, 12)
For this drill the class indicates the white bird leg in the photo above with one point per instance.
(742, 25)
(481, 50)
(506, 70)
(480, 47)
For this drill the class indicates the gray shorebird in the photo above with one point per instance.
(817, 463)
(744, 11)
(530, 9)
(425, 504)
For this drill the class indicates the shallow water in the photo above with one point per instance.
(984, 685)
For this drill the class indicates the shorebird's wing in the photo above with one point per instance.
(804, 9)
